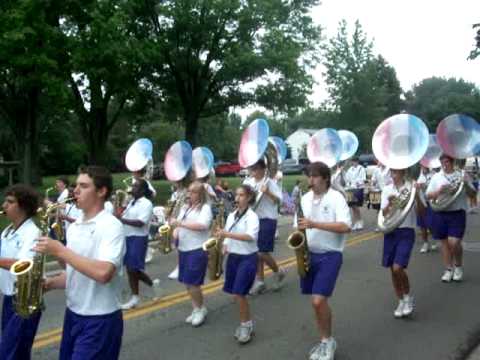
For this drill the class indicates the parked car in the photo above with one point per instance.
(292, 166)
(227, 169)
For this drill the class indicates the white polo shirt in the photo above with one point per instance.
(141, 210)
(355, 177)
(71, 210)
(63, 196)
(108, 206)
(381, 177)
(189, 240)
(267, 209)
(16, 244)
(438, 180)
(248, 224)
(410, 219)
(100, 238)
(331, 208)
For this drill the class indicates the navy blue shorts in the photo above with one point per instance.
(136, 250)
(446, 224)
(17, 333)
(91, 337)
(357, 198)
(425, 221)
(322, 274)
(266, 235)
(192, 266)
(397, 247)
(240, 273)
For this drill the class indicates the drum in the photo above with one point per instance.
(374, 196)
(350, 195)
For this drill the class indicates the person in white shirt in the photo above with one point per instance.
(92, 281)
(192, 230)
(424, 218)
(398, 244)
(267, 210)
(140, 175)
(380, 178)
(17, 240)
(326, 221)
(448, 225)
(61, 184)
(240, 234)
(355, 179)
(136, 219)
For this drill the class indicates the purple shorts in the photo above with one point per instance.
(192, 266)
(17, 333)
(357, 198)
(240, 273)
(425, 221)
(266, 235)
(323, 273)
(397, 247)
(447, 224)
(91, 337)
(136, 250)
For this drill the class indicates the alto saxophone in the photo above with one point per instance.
(28, 292)
(297, 241)
(166, 230)
(214, 246)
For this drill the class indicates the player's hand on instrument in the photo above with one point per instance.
(305, 223)
(45, 245)
(264, 188)
(224, 250)
(47, 284)
(219, 233)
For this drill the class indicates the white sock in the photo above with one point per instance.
(248, 323)
(406, 297)
(135, 298)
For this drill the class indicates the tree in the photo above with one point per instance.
(363, 88)
(476, 51)
(30, 75)
(105, 69)
(212, 55)
(435, 98)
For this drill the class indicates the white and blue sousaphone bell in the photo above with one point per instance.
(399, 143)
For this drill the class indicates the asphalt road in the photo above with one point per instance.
(445, 314)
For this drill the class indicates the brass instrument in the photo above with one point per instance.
(28, 292)
(297, 241)
(214, 245)
(166, 230)
(47, 191)
(453, 191)
(400, 207)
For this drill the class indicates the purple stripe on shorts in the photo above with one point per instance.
(192, 266)
(322, 274)
(447, 224)
(136, 250)
(397, 247)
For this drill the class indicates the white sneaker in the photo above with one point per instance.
(257, 288)
(457, 274)
(189, 318)
(360, 225)
(407, 305)
(174, 274)
(433, 246)
(398, 313)
(447, 275)
(325, 350)
(130, 304)
(279, 278)
(425, 247)
(243, 334)
(198, 316)
(354, 227)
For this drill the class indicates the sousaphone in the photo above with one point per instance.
(399, 142)
(458, 136)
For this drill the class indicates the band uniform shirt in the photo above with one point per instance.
(16, 244)
(63, 196)
(381, 177)
(108, 206)
(329, 208)
(141, 210)
(100, 238)
(355, 177)
(438, 180)
(248, 224)
(71, 210)
(189, 240)
(267, 208)
(411, 218)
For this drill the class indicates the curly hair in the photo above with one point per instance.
(27, 197)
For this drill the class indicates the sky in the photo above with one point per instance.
(419, 38)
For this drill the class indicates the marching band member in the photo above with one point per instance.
(240, 233)
(448, 225)
(424, 219)
(17, 240)
(326, 221)
(192, 230)
(267, 211)
(61, 184)
(355, 178)
(140, 175)
(93, 324)
(136, 219)
(398, 244)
